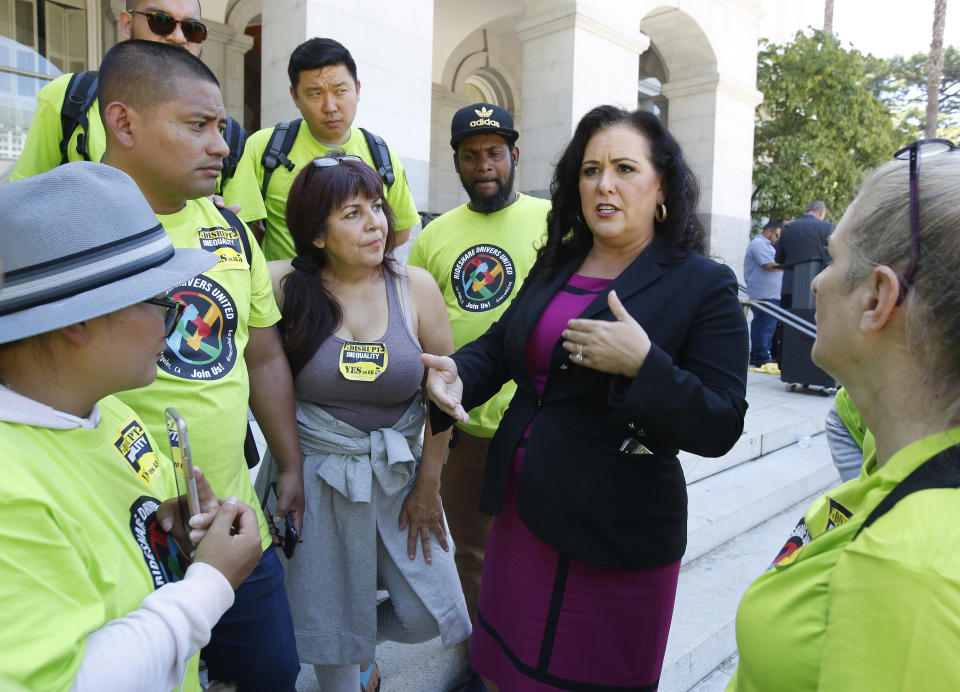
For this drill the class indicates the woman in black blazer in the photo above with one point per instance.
(626, 345)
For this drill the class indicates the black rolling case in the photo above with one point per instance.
(796, 367)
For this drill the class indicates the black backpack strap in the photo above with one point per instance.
(236, 138)
(250, 452)
(234, 221)
(381, 156)
(280, 144)
(81, 92)
(939, 471)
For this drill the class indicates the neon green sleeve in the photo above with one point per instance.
(244, 187)
(41, 151)
(850, 416)
(400, 198)
(891, 625)
(47, 591)
(417, 255)
(263, 305)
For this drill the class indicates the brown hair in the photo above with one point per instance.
(310, 311)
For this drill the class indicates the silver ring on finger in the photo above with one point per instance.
(580, 352)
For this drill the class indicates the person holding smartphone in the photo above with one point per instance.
(97, 593)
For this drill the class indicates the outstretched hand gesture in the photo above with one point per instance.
(444, 386)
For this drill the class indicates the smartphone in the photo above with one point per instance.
(182, 460)
(289, 538)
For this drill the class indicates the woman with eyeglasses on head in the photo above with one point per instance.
(354, 325)
(95, 592)
(865, 595)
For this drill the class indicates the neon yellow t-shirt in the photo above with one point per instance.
(479, 261)
(245, 186)
(878, 613)
(202, 371)
(41, 151)
(79, 542)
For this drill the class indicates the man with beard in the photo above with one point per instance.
(479, 253)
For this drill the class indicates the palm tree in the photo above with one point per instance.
(935, 67)
(828, 17)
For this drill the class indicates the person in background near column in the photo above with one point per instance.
(479, 253)
(801, 240)
(176, 22)
(763, 279)
(325, 89)
(865, 593)
(163, 112)
(626, 345)
(98, 591)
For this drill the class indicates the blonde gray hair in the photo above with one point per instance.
(877, 228)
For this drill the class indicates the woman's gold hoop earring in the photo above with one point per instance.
(660, 213)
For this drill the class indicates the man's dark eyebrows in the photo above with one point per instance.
(206, 115)
(153, 8)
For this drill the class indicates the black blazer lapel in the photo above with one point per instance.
(639, 274)
(543, 294)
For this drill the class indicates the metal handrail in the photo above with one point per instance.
(27, 73)
(782, 314)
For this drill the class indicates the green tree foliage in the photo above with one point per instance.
(820, 128)
(902, 85)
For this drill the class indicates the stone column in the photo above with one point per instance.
(393, 49)
(713, 120)
(223, 53)
(577, 54)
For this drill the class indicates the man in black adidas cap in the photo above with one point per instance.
(479, 253)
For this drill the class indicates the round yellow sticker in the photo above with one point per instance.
(362, 361)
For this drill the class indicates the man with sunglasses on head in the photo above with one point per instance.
(326, 91)
(176, 22)
(163, 114)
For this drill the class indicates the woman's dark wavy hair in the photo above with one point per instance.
(310, 312)
(569, 236)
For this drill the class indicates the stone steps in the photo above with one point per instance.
(702, 636)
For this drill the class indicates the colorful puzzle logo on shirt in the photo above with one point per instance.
(788, 553)
(134, 446)
(482, 278)
(163, 557)
(202, 346)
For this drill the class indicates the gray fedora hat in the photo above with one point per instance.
(79, 242)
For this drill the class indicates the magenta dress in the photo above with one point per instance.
(546, 621)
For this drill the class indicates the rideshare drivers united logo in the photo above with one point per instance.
(202, 346)
(482, 278)
(164, 558)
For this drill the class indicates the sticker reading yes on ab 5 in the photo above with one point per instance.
(362, 361)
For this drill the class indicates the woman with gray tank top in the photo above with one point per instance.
(354, 325)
